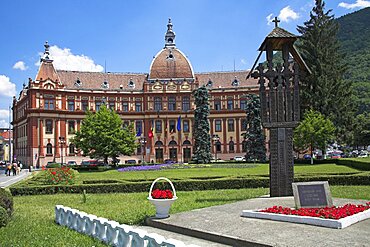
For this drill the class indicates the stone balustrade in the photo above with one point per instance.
(111, 232)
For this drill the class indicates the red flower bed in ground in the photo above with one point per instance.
(327, 212)
(162, 194)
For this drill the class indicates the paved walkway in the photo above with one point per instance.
(224, 224)
(6, 181)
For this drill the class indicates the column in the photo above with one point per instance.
(41, 138)
(224, 134)
(237, 139)
(56, 138)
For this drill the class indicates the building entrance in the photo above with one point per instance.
(173, 154)
(159, 155)
(187, 154)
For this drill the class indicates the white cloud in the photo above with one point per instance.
(4, 114)
(64, 59)
(20, 65)
(7, 87)
(359, 4)
(4, 124)
(285, 15)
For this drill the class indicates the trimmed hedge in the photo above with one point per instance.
(360, 165)
(4, 217)
(186, 185)
(6, 201)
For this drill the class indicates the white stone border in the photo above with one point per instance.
(338, 224)
(111, 232)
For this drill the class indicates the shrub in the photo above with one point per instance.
(54, 165)
(359, 165)
(64, 175)
(6, 201)
(4, 217)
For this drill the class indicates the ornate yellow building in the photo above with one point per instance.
(50, 108)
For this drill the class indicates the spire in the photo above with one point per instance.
(46, 57)
(170, 35)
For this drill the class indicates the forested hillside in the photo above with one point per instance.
(354, 35)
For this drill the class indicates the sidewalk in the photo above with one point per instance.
(6, 181)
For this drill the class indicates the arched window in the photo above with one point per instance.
(158, 143)
(186, 142)
(71, 148)
(231, 147)
(172, 143)
(49, 149)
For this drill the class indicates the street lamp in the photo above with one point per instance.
(215, 139)
(61, 142)
(142, 142)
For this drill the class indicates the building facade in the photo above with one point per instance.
(51, 108)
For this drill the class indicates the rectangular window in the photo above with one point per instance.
(171, 103)
(172, 125)
(49, 104)
(112, 105)
(71, 105)
(49, 126)
(139, 126)
(138, 106)
(217, 104)
(97, 105)
(158, 126)
(242, 104)
(124, 106)
(85, 105)
(230, 124)
(244, 124)
(71, 127)
(218, 125)
(186, 103)
(157, 103)
(230, 104)
(186, 126)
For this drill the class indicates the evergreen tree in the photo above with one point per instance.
(325, 90)
(202, 139)
(102, 135)
(255, 139)
(314, 131)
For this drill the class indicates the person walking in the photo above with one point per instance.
(14, 169)
(8, 169)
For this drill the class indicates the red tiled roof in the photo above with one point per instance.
(47, 71)
(225, 79)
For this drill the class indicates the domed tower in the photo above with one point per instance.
(170, 63)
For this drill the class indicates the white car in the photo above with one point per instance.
(239, 158)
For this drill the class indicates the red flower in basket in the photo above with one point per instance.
(162, 194)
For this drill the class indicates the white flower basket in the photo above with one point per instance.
(162, 206)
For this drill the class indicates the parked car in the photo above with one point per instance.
(307, 157)
(72, 163)
(130, 161)
(363, 154)
(168, 161)
(239, 158)
(90, 163)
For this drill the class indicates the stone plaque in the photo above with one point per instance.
(312, 194)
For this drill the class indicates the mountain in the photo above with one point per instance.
(354, 35)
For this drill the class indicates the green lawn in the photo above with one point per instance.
(251, 170)
(33, 221)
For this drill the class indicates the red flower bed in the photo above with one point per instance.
(327, 212)
(162, 194)
(64, 175)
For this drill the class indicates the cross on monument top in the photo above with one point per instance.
(276, 21)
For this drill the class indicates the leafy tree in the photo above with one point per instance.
(102, 135)
(325, 90)
(361, 130)
(255, 139)
(314, 131)
(202, 139)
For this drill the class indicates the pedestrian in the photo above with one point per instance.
(14, 168)
(8, 169)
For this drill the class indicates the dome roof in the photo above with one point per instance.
(170, 63)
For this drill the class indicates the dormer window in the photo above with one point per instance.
(170, 55)
(209, 83)
(105, 84)
(131, 84)
(78, 83)
(235, 82)
(121, 86)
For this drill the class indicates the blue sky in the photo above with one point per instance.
(125, 35)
